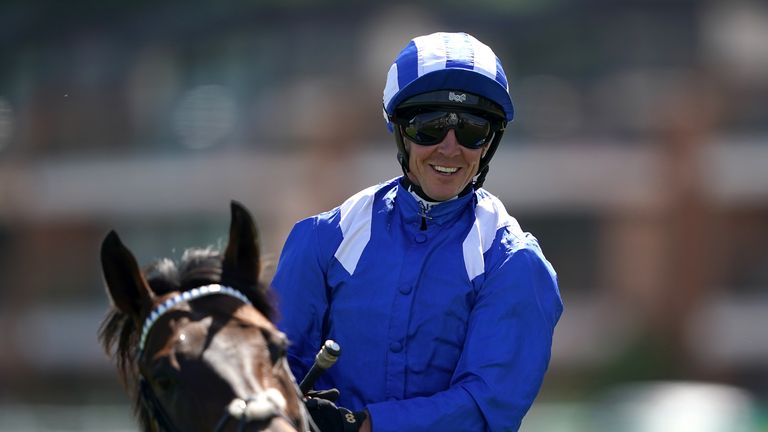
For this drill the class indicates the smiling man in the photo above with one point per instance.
(444, 307)
(442, 171)
(446, 137)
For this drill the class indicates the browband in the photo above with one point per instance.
(184, 297)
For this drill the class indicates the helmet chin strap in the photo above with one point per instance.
(485, 161)
(480, 179)
(402, 154)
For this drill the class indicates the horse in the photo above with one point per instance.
(193, 341)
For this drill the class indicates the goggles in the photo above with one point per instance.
(430, 128)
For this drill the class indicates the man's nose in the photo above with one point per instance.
(449, 146)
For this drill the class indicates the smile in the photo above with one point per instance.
(444, 170)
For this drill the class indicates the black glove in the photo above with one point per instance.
(330, 418)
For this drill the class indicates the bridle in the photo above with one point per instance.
(264, 406)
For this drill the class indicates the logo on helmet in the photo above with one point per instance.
(457, 97)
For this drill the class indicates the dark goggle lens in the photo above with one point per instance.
(430, 128)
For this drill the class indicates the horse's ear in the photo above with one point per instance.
(126, 285)
(241, 258)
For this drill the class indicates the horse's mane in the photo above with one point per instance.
(119, 332)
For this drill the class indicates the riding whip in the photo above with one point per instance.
(324, 359)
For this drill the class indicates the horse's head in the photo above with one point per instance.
(194, 342)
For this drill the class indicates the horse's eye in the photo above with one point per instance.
(164, 377)
(164, 382)
(246, 325)
(277, 344)
(276, 352)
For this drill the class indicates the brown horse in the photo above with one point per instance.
(193, 340)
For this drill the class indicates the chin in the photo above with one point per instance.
(440, 195)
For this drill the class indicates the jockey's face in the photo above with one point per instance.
(445, 169)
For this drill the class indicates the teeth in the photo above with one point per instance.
(445, 169)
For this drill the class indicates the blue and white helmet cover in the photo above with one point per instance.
(446, 61)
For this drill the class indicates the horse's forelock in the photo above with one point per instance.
(199, 266)
(162, 276)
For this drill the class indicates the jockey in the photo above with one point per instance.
(443, 306)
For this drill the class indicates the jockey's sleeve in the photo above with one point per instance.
(299, 285)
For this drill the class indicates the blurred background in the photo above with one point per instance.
(638, 157)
